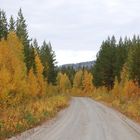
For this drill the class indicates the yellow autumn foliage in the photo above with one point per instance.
(33, 86)
(124, 96)
(82, 84)
(63, 83)
(116, 91)
(40, 80)
(13, 121)
(77, 82)
(24, 98)
(87, 83)
(12, 70)
(131, 89)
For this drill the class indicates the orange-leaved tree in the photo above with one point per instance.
(13, 87)
(77, 82)
(87, 83)
(42, 84)
(33, 85)
(63, 82)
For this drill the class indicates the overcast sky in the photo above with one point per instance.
(76, 28)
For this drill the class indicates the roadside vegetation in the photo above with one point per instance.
(28, 90)
(115, 77)
(33, 89)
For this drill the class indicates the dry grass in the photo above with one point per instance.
(128, 106)
(17, 119)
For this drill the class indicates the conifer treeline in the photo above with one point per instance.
(30, 48)
(114, 78)
(111, 59)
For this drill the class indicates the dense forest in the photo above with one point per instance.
(33, 88)
(115, 76)
(114, 57)
(28, 91)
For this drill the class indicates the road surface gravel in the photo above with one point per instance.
(85, 119)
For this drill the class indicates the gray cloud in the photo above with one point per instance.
(77, 25)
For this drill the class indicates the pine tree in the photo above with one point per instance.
(21, 31)
(134, 60)
(35, 45)
(104, 68)
(32, 55)
(3, 25)
(11, 24)
(47, 56)
(121, 57)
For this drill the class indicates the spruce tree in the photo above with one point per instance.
(32, 56)
(104, 68)
(11, 24)
(21, 31)
(3, 25)
(121, 57)
(35, 45)
(133, 61)
(47, 56)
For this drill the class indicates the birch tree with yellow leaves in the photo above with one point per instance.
(63, 83)
(42, 85)
(87, 83)
(12, 71)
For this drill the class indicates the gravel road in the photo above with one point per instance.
(85, 119)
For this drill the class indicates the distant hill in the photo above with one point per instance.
(87, 64)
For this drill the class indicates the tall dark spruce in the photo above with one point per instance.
(3, 25)
(21, 31)
(12, 24)
(103, 70)
(47, 56)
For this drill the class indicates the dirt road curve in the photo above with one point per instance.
(85, 119)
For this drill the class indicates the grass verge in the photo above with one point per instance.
(14, 120)
(130, 107)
